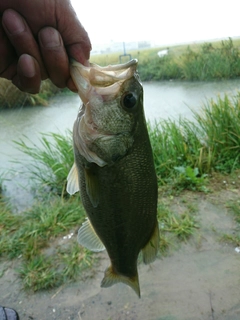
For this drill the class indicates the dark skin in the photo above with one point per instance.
(36, 40)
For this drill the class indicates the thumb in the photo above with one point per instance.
(75, 37)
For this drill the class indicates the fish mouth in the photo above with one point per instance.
(99, 83)
(102, 81)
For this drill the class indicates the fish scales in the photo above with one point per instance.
(119, 186)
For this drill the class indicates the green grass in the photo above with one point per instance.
(29, 235)
(182, 226)
(211, 143)
(205, 61)
(234, 237)
(39, 273)
(211, 62)
(51, 162)
(46, 272)
(219, 122)
(46, 261)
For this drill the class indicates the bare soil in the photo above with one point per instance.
(198, 280)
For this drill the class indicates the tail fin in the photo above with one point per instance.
(110, 278)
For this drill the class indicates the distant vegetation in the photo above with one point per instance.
(12, 97)
(208, 61)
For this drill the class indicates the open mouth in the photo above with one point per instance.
(104, 81)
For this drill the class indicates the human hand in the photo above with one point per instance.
(36, 39)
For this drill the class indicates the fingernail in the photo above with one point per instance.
(29, 69)
(49, 38)
(13, 22)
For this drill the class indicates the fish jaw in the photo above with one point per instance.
(95, 81)
(102, 123)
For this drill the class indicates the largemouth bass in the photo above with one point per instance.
(114, 169)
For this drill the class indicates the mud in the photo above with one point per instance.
(199, 280)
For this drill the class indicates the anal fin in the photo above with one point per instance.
(88, 238)
(151, 248)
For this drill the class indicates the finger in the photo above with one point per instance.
(22, 38)
(8, 61)
(55, 56)
(74, 35)
(28, 76)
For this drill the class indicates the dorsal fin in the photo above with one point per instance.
(88, 238)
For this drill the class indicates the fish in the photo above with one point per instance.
(114, 169)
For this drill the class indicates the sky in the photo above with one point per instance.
(162, 22)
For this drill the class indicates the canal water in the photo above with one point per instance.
(162, 100)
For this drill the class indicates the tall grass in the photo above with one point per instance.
(207, 61)
(12, 97)
(220, 123)
(210, 143)
(29, 235)
(30, 232)
(51, 161)
(211, 62)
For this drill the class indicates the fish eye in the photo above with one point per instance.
(129, 100)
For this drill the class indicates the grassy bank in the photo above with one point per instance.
(208, 61)
(186, 155)
(12, 97)
(212, 143)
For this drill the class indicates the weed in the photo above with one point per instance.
(39, 273)
(26, 236)
(40, 224)
(189, 178)
(210, 143)
(181, 225)
(234, 238)
(219, 122)
(50, 164)
(75, 260)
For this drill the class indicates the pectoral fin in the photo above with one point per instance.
(88, 238)
(151, 248)
(72, 180)
(92, 186)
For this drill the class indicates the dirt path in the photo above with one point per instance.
(199, 281)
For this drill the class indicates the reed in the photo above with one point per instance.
(211, 143)
(206, 61)
(12, 97)
(51, 161)
(220, 123)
